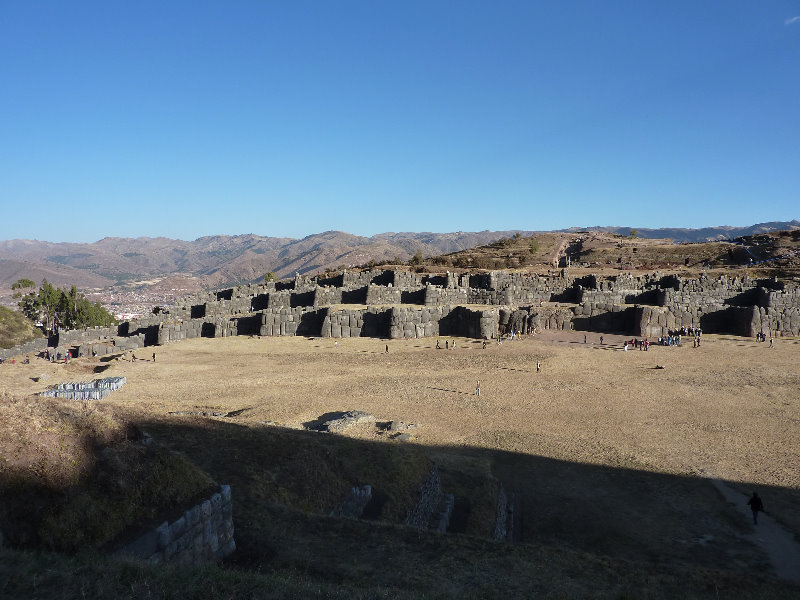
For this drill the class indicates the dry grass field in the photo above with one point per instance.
(611, 456)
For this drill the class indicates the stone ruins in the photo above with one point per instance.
(86, 390)
(396, 304)
(202, 534)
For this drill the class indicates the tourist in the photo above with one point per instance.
(447, 344)
(771, 342)
(438, 347)
(478, 388)
(755, 505)
(154, 357)
(484, 345)
(387, 348)
(538, 366)
(601, 339)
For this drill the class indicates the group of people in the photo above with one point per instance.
(448, 345)
(670, 340)
(762, 337)
(56, 356)
(637, 344)
(693, 331)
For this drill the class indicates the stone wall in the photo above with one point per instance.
(32, 347)
(435, 296)
(287, 321)
(76, 337)
(502, 522)
(622, 303)
(202, 534)
(379, 295)
(354, 502)
(369, 322)
(770, 321)
(443, 320)
(325, 296)
(429, 499)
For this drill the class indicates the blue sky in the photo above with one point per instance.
(184, 119)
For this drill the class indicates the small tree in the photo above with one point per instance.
(23, 283)
(53, 307)
(634, 233)
(417, 258)
(269, 276)
(534, 247)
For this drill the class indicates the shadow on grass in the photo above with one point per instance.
(446, 390)
(594, 526)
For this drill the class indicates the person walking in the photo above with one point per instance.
(154, 357)
(478, 388)
(538, 366)
(756, 505)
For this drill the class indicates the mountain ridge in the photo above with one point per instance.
(219, 260)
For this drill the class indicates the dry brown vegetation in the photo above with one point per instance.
(610, 455)
(15, 329)
(608, 254)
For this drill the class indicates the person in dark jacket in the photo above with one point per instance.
(755, 505)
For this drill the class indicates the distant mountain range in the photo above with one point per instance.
(216, 260)
(220, 260)
(705, 234)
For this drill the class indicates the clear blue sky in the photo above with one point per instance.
(194, 118)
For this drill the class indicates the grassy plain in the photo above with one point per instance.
(610, 455)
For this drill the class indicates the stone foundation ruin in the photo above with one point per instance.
(89, 390)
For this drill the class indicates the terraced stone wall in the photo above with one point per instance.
(202, 534)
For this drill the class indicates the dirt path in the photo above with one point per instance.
(777, 542)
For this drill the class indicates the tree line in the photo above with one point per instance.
(52, 307)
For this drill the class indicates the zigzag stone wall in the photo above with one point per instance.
(402, 304)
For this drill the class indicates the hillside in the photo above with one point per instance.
(703, 234)
(769, 254)
(215, 260)
(15, 329)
